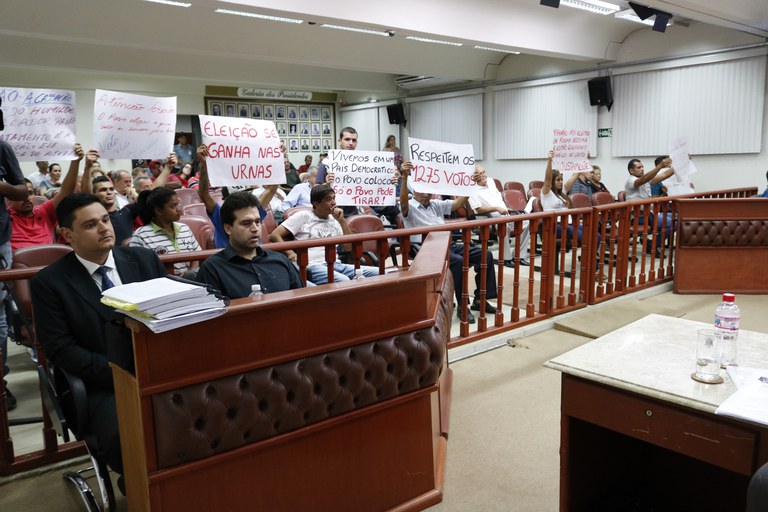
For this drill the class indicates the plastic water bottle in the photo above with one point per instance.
(359, 273)
(727, 320)
(256, 291)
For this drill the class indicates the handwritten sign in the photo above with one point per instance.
(571, 149)
(442, 167)
(680, 182)
(39, 123)
(133, 126)
(242, 151)
(362, 177)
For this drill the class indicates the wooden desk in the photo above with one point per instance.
(635, 428)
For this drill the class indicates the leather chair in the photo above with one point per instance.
(535, 184)
(514, 199)
(202, 228)
(580, 200)
(515, 185)
(372, 251)
(534, 192)
(600, 198)
(268, 225)
(499, 186)
(194, 209)
(291, 211)
(187, 196)
(757, 492)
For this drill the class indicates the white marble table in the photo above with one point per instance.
(655, 356)
(636, 426)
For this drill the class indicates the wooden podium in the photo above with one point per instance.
(328, 398)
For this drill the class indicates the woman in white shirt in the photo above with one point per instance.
(554, 198)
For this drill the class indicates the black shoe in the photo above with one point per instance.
(509, 263)
(525, 263)
(488, 308)
(10, 400)
(121, 484)
(470, 316)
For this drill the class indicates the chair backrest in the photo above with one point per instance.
(534, 192)
(579, 200)
(268, 225)
(368, 224)
(535, 184)
(34, 256)
(194, 209)
(290, 211)
(187, 196)
(514, 185)
(202, 228)
(537, 206)
(621, 196)
(499, 187)
(599, 198)
(514, 199)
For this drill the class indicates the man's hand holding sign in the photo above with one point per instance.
(362, 178)
(441, 167)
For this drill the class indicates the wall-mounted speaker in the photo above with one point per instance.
(396, 114)
(600, 92)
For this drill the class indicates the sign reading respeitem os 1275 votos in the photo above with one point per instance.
(442, 167)
(362, 178)
(242, 151)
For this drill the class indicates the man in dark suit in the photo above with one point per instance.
(69, 317)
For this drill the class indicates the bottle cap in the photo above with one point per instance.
(255, 287)
(729, 297)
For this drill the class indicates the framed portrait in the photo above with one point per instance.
(229, 110)
(280, 112)
(325, 113)
(243, 110)
(281, 128)
(269, 111)
(327, 129)
(215, 109)
(314, 113)
(293, 128)
(315, 129)
(303, 128)
(256, 111)
(327, 144)
(293, 112)
(293, 145)
(305, 144)
(304, 113)
(315, 145)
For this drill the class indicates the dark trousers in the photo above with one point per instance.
(102, 425)
(475, 258)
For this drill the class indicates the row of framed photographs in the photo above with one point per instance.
(299, 145)
(272, 112)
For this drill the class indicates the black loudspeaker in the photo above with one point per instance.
(600, 91)
(396, 114)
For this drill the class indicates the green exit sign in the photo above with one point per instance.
(604, 132)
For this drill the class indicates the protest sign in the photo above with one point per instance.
(133, 126)
(680, 182)
(441, 167)
(242, 152)
(362, 177)
(39, 123)
(571, 149)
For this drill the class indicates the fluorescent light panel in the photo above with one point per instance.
(595, 6)
(497, 50)
(360, 30)
(259, 16)
(631, 16)
(170, 2)
(435, 41)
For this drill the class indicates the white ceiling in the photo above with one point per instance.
(135, 36)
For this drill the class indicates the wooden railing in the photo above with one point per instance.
(608, 261)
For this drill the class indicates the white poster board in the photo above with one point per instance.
(680, 182)
(571, 149)
(442, 167)
(133, 126)
(242, 152)
(39, 123)
(362, 178)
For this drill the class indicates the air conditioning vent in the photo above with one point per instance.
(420, 82)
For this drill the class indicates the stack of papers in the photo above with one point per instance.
(750, 399)
(163, 304)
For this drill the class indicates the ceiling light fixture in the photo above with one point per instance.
(170, 2)
(435, 41)
(497, 50)
(360, 30)
(594, 6)
(259, 16)
(631, 16)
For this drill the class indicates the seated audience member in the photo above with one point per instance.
(185, 152)
(124, 192)
(638, 186)
(291, 176)
(140, 184)
(41, 174)
(487, 200)
(44, 182)
(160, 212)
(156, 168)
(140, 171)
(212, 208)
(306, 166)
(325, 220)
(52, 183)
(243, 263)
(579, 183)
(186, 174)
(595, 183)
(421, 211)
(765, 192)
(67, 295)
(34, 225)
(300, 194)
